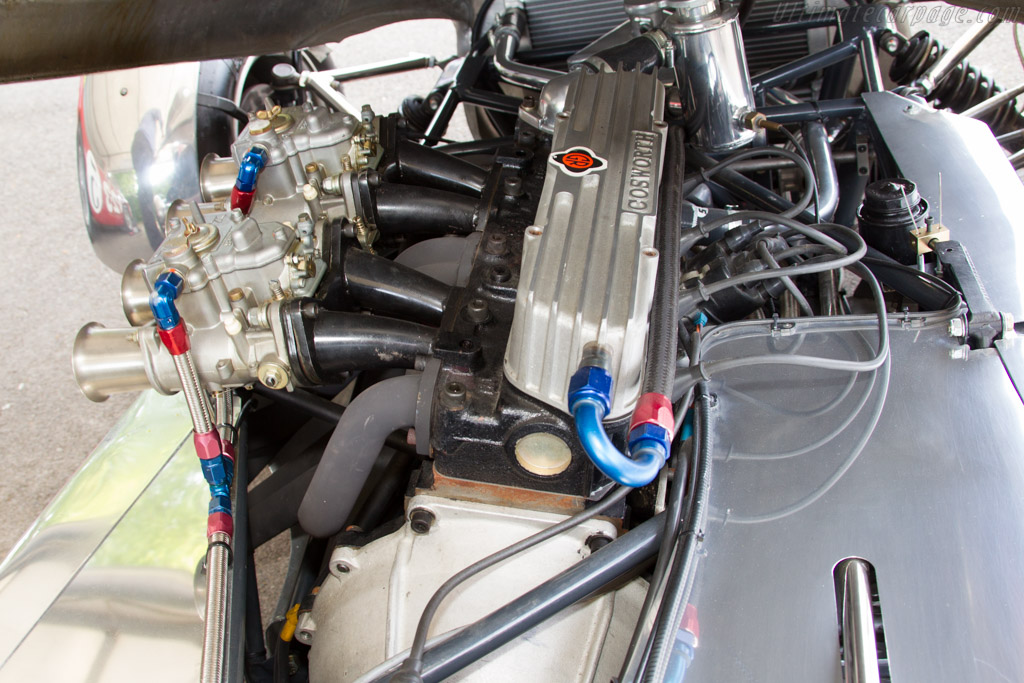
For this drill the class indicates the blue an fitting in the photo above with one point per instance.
(218, 472)
(681, 657)
(220, 502)
(649, 436)
(589, 402)
(165, 290)
(252, 163)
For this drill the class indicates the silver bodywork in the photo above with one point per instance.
(138, 146)
(388, 582)
(88, 575)
(589, 264)
(924, 483)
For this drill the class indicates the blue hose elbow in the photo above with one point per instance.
(589, 402)
(252, 163)
(165, 290)
(639, 470)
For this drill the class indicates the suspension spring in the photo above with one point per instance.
(964, 87)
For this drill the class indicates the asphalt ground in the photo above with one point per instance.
(51, 283)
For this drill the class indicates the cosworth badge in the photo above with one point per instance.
(578, 161)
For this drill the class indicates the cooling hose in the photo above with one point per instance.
(352, 450)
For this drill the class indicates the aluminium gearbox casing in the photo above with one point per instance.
(589, 265)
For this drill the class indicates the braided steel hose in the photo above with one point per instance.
(216, 455)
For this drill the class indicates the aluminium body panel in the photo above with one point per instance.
(969, 184)
(108, 571)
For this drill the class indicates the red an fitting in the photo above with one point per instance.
(220, 521)
(208, 445)
(175, 339)
(653, 408)
(241, 200)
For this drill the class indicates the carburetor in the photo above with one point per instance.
(241, 260)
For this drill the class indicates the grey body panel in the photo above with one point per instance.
(932, 501)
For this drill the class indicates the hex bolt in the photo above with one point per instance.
(420, 521)
(477, 311)
(501, 274)
(957, 327)
(496, 244)
(529, 103)
(513, 186)
(959, 352)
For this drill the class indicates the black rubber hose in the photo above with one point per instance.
(930, 293)
(419, 165)
(388, 288)
(352, 451)
(684, 565)
(661, 335)
(410, 210)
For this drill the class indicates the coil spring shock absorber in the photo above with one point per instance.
(964, 87)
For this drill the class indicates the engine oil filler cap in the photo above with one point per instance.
(543, 454)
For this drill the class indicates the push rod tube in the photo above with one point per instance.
(816, 138)
(806, 65)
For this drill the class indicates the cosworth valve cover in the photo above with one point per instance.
(588, 261)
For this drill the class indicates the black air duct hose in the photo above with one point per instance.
(325, 344)
(641, 54)
(661, 336)
(410, 210)
(352, 451)
(419, 165)
(388, 288)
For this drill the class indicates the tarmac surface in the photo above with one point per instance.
(51, 283)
